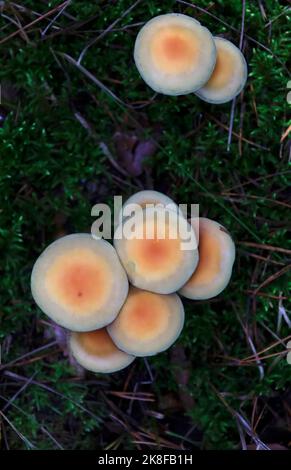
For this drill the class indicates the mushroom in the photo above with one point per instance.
(148, 197)
(95, 351)
(154, 256)
(79, 283)
(174, 54)
(148, 323)
(216, 257)
(229, 75)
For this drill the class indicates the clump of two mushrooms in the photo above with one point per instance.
(121, 302)
(176, 55)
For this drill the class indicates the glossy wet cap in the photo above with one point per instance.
(229, 76)
(96, 351)
(79, 282)
(157, 261)
(148, 323)
(216, 257)
(174, 54)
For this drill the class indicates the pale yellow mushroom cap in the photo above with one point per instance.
(96, 351)
(151, 197)
(174, 54)
(157, 262)
(147, 197)
(216, 258)
(147, 323)
(79, 282)
(229, 75)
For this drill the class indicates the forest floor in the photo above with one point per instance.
(73, 111)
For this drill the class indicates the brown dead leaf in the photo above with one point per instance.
(132, 152)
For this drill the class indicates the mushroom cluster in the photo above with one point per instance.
(123, 301)
(176, 55)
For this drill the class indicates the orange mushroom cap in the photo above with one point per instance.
(216, 258)
(95, 351)
(78, 281)
(157, 262)
(150, 197)
(174, 54)
(148, 323)
(229, 75)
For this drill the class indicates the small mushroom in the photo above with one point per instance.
(78, 281)
(148, 323)
(146, 197)
(154, 256)
(216, 257)
(95, 351)
(229, 75)
(174, 54)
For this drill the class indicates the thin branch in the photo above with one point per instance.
(232, 112)
(43, 33)
(191, 5)
(109, 28)
(24, 386)
(53, 439)
(32, 23)
(254, 144)
(273, 277)
(266, 247)
(19, 434)
(30, 353)
(92, 78)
